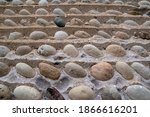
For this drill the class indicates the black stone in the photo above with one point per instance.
(59, 22)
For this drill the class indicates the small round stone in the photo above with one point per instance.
(71, 1)
(49, 71)
(24, 92)
(140, 50)
(142, 70)
(119, 2)
(38, 35)
(86, 1)
(74, 11)
(25, 22)
(24, 12)
(91, 50)
(56, 2)
(9, 12)
(103, 1)
(43, 3)
(125, 70)
(46, 50)
(121, 35)
(144, 4)
(4, 92)
(60, 35)
(25, 70)
(102, 71)
(94, 22)
(15, 35)
(70, 50)
(116, 50)
(130, 23)
(9, 22)
(76, 21)
(104, 34)
(146, 24)
(41, 11)
(59, 21)
(93, 12)
(22, 50)
(4, 69)
(59, 12)
(42, 22)
(81, 92)
(113, 12)
(82, 34)
(30, 2)
(111, 21)
(110, 93)
(3, 51)
(17, 2)
(75, 70)
(138, 92)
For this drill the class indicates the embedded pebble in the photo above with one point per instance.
(94, 22)
(118, 2)
(121, 35)
(81, 92)
(76, 21)
(146, 24)
(71, 1)
(82, 34)
(138, 92)
(104, 34)
(3, 2)
(17, 2)
(38, 35)
(42, 22)
(142, 70)
(22, 50)
(15, 35)
(24, 92)
(86, 1)
(46, 50)
(60, 22)
(130, 23)
(113, 12)
(60, 35)
(4, 92)
(49, 71)
(144, 4)
(30, 2)
(41, 11)
(4, 69)
(116, 50)
(102, 71)
(43, 3)
(4, 50)
(59, 12)
(25, 22)
(24, 12)
(91, 50)
(74, 11)
(71, 50)
(75, 70)
(111, 21)
(9, 22)
(110, 93)
(25, 70)
(93, 12)
(56, 2)
(140, 50)
(103, 1)
(9, 12)
(125, 70)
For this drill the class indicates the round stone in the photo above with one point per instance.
(59, 21)
(86, 1)
(74, 11)
(81, 92)
(43, 3)
(76, 21)
(15, 35)
(111, 21)
(93, 12)
(58, 12)
(144, 4)
(104, 34)
(24, 12)
(82, 34)
(91, 50)
(113, 12)
(9, 22)
(4, 69)
(146, 24)
(38, 35)
(3, 2)
(25, 22)
(94, 22)
(3, 51)
(119, 2)
(121, 35)
(24, 92)
(142, 70)
(71, 1)
(103, 1)
(75, 70)
(102, 71)
(17, 2)
(46, 50)
(140, 50)
(60, 35)
(49, 71)
(138, 92)
(4, 92)
(125, 70)
(71, 50)
(41, 11)
(130, 23)
(42, 22)
(110, 93)
(9, 12)
(56, 2)
(116, 50)
(30, 2)
(22, 50)
(25, 70)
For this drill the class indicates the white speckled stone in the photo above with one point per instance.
(60, 35)
(30, 2)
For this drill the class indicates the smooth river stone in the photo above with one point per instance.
(121, 35)
(102, 71)
(130, 23)
(58, 12)
(41, 11)
(82, 34)
(76, 21)
(74, 11)
(75, 70)
(4, 92)
(9, 22)
(111, 21)
(25, 70)
(91, 50)
(9, 12)
(60, 22)
(30, 2)
(49, 71)
(114, 12)
(60, 35)
(42, 22)
(146, 24)
(4, 69)
(17, 2)
(46, 50)
(138, 92)
(38, 35)
(81, 92)
(15, 35)
(71, 50)
(43, 3)
(4, 51)
(110, 93)
(94, 22)
(116, 50)
(142, 70)
(22, 50)
(24, 12)
(104, 34)
(125, 70)
(26, 93)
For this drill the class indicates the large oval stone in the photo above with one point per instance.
(22, 50)
(4, 69)
(4, 51)
(38, 35)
